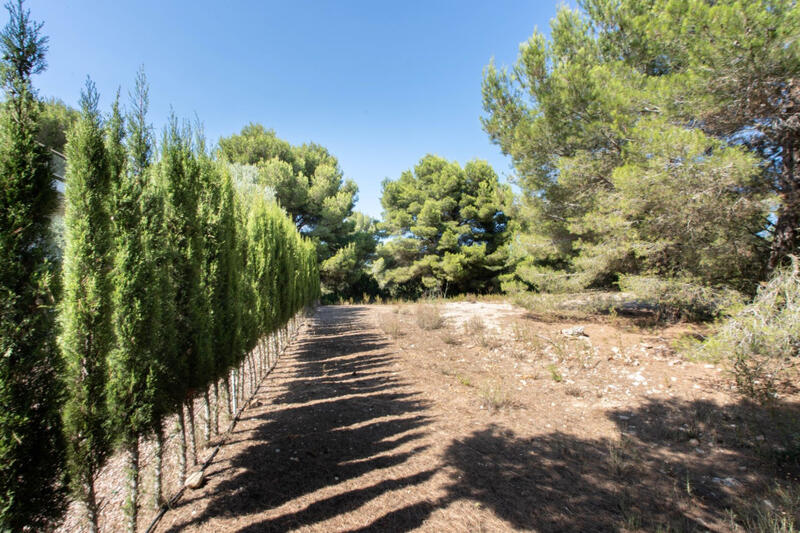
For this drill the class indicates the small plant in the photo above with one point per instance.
(391, 326)
(474, 326)
(554, 373)
(464, 380)
(449, 337)
(495, 396)
(488, 341)
(429, 317)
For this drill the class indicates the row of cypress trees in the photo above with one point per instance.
(173, 282)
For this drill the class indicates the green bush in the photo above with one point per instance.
(761, 339)
(680, 298)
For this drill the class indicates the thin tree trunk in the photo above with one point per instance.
(192, 438)
(132, 506)
(253, 374)
(158, 490)
(228, 395)
(91, 504)
(216, 407)
(207, 425)
(234, 393)
(242, 381)
(262, 355)
(182, 451)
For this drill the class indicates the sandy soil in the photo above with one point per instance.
(516, 427)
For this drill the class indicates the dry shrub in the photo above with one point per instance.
(449, 337)
(777, 512)
(495, 396)
(762, 339)
(391, 325)
(429, 317)
(474, 326)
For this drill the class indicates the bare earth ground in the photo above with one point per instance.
(515, 428)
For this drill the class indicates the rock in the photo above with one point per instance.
(195, 480)
(577, 331)
(694, 442)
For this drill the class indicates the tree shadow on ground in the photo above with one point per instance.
(657, 477)
(343, 413)
(676, 465)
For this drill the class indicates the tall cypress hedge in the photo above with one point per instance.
(31, 442)
(86, 332)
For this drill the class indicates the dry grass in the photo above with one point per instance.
(391, 325)
(495, 396)
(429, 317)
(474, 326)
(450, 337)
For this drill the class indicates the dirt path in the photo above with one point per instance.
(353, 433)
(337, 440)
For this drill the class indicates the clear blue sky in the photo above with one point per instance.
(380, 84)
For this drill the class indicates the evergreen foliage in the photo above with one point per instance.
(180, 182)
(449, 227)
(622, 172)
(55, 120)
(86, 331)
(308, 183)
(141, 369)
(31, 443)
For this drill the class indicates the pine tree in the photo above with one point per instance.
(31, 442)
(87, 335)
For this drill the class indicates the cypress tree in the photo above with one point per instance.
(180, 183)
(141, 300)
(31, 442)
(87, 335)
(223, 274)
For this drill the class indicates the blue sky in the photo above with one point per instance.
(380, 84)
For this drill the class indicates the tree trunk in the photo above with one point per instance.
(182, 451)
(192, 439)
(91, 504)
(216, 407)
(132, 506)
(207, 425)
(234, 393)
(158, 490)
(253, 374)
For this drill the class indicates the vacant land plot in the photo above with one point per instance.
(469, 417)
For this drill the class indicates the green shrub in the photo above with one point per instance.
(680, 298)
(762, 339)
